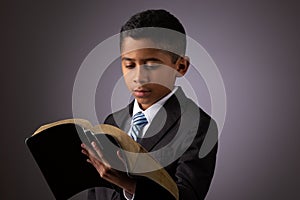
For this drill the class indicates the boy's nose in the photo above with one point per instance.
(141, 75)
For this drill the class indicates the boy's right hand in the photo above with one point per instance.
(119, 178)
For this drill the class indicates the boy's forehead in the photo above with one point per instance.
(130, 44)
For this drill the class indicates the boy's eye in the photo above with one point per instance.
(151, 66)
(130, 66)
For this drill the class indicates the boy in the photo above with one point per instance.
(151, 61)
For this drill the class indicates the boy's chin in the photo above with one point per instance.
(143, 100)
(144, 103)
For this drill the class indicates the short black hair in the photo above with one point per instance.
(171, 32)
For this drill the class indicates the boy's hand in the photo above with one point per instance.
(105, 170)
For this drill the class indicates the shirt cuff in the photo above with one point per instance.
(127, 195)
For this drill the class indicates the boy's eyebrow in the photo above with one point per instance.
(127, 59)
(143, 60)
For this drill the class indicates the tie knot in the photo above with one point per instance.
(139, 119)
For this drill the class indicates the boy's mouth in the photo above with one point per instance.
(141, 93)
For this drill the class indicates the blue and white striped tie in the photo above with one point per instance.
(138, 122)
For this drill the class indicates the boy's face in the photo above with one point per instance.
(149, 73)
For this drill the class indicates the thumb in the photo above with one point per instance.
(123, 160)
(120, 156)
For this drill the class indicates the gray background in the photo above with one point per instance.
(254, 43)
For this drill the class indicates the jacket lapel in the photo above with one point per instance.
(122, 118)
(164, 120)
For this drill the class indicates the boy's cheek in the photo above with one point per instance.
(129, 86)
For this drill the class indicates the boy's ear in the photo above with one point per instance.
(182, 65)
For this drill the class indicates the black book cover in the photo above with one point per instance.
(57, 152)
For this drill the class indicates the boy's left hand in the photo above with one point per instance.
(105, 170)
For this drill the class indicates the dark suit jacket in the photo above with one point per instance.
(180, 127)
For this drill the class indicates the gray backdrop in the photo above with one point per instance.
(254, 43)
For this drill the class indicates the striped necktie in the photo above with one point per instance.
(138, 122)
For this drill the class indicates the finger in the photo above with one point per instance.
(89, 152)
(99, 166)
(120, 156)
(100, 154)
(84, 152)
(92, 157)
(97, 149)
(85, 147)
(95, 162)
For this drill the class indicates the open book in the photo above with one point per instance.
(57, 151)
